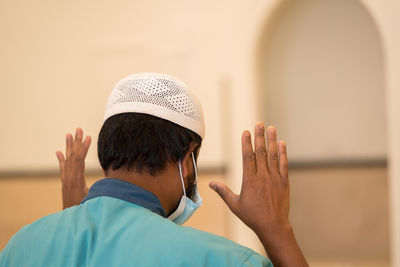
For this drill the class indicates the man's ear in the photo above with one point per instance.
(187, 161)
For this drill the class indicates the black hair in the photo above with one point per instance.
(142, 142)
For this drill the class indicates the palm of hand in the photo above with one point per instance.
(264, 197)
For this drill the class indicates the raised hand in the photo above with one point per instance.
(263, 203)
(72, 169)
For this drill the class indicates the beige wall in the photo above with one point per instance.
(341, 214)
(387, 19)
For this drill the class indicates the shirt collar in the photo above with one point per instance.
(125, 191)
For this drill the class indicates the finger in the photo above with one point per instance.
(69, 142)
(283, 161)
(61, 161)
(272, 150)
(230, 198)
(60, 156)
(260, 148)
(86, 145)
(78, 135)
(249, 161)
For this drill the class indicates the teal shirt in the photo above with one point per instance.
(110, 228)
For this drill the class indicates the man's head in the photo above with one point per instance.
(152, 122)
(150, 119)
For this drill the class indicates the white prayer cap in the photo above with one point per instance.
(159, 95)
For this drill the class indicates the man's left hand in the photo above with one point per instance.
(72, 169)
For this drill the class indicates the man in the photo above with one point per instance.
(147, 147)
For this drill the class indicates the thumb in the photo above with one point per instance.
(226, 194)
(61, 161)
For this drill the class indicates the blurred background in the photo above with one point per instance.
(324, 72)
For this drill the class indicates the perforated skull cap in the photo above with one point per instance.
(160, 95)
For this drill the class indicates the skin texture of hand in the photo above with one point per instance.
(72, 169)
(263, 203)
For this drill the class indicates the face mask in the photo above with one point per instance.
(186, 206)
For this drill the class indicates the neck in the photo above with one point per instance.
(166, 185)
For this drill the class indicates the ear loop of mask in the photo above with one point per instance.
(195, 168)
(180, 172)
(195, 173)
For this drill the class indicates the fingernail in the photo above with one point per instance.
(213, 186)
(271, 129)
(282, 145)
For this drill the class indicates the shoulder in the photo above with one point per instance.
(218, 246)
(22, 244)
(42, 227)
(53, 233)
(204, 248)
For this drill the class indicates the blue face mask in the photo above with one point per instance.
(186, 206)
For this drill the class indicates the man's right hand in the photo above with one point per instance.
(263, 203)
(72, 169)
